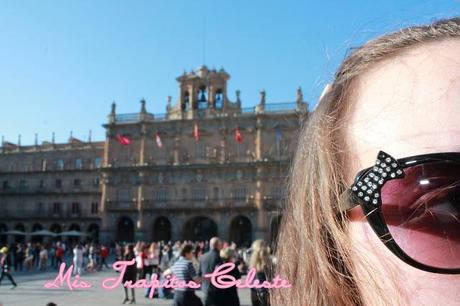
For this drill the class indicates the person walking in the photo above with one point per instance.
(261, 262)
(183, 270)
(43, 258)
(78, 252)
(229, 296)
(5, 266)
(59, 255)
(29, 257)
(20, 256)
(104, 255)
(208, 262)
(130, 273)
(164, 265)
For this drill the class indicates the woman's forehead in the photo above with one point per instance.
(407, 105)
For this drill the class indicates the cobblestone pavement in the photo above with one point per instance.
(30, 292)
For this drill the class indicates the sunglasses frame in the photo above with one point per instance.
(374, 215)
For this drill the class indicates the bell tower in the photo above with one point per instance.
(202, 91)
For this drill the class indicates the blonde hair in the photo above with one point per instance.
(227, 253)
(314, 250)
(260, 257)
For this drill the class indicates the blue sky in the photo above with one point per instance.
(62, 63)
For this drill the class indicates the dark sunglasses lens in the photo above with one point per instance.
(422, 212)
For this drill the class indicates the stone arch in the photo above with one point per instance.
(199, 228)
(19, 238)
(56, 228)
(74, 227)
(3, 237)
(37, 227)
(162, 229)
(125, 229)
(93, 232)
(241, 231)
(219, 99)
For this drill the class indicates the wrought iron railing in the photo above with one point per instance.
(133, 117)
(248, 110)
(268, 108)
(280, 107)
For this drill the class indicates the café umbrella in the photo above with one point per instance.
(72, 234)
(13, 232)
(43, 233)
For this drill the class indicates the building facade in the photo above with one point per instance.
(205, 167)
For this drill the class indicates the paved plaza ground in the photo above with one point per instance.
(30, 292)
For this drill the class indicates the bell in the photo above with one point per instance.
(202, 97)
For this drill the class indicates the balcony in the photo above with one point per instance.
(207, 203)
(288, 107)
(49, 190)
(133, 117)
(122, 205)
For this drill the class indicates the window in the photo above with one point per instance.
(96, 182)
(184, 194)
(239, 193)
(78, 163)
(98, 162)
(56, 208)
(240, 149)
(58, 183)
(41, 184)
(75, 208)
(60, 164)
(6, 186)
(94, 208)
(135, 179)
(219, 99)
(76, 182)
(39, 208)
(199, 194)
(44, 165)
(22, 184)
(215, 193)
(124, 195)
(160, 194)
(200, 151)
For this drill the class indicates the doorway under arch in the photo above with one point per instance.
(199, 228)
(56, 228)
(241, 231)
(162, 229)
(37, 227)
(74, 227)
(93, 232)
(3, 237)
(125, 229)
(20, 238)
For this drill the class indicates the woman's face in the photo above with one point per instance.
(189, 255)
(405, 106)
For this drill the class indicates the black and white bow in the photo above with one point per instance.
(368, 187)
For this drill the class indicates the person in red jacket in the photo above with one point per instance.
(104, 255)
(59, 254)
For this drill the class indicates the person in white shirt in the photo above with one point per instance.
(43, 255)
(78, 259)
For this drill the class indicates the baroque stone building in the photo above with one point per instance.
(205, 167)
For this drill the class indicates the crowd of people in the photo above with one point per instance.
(190, 261)
(185, 260)
(40, 256)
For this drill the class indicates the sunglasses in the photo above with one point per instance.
(413, 205)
